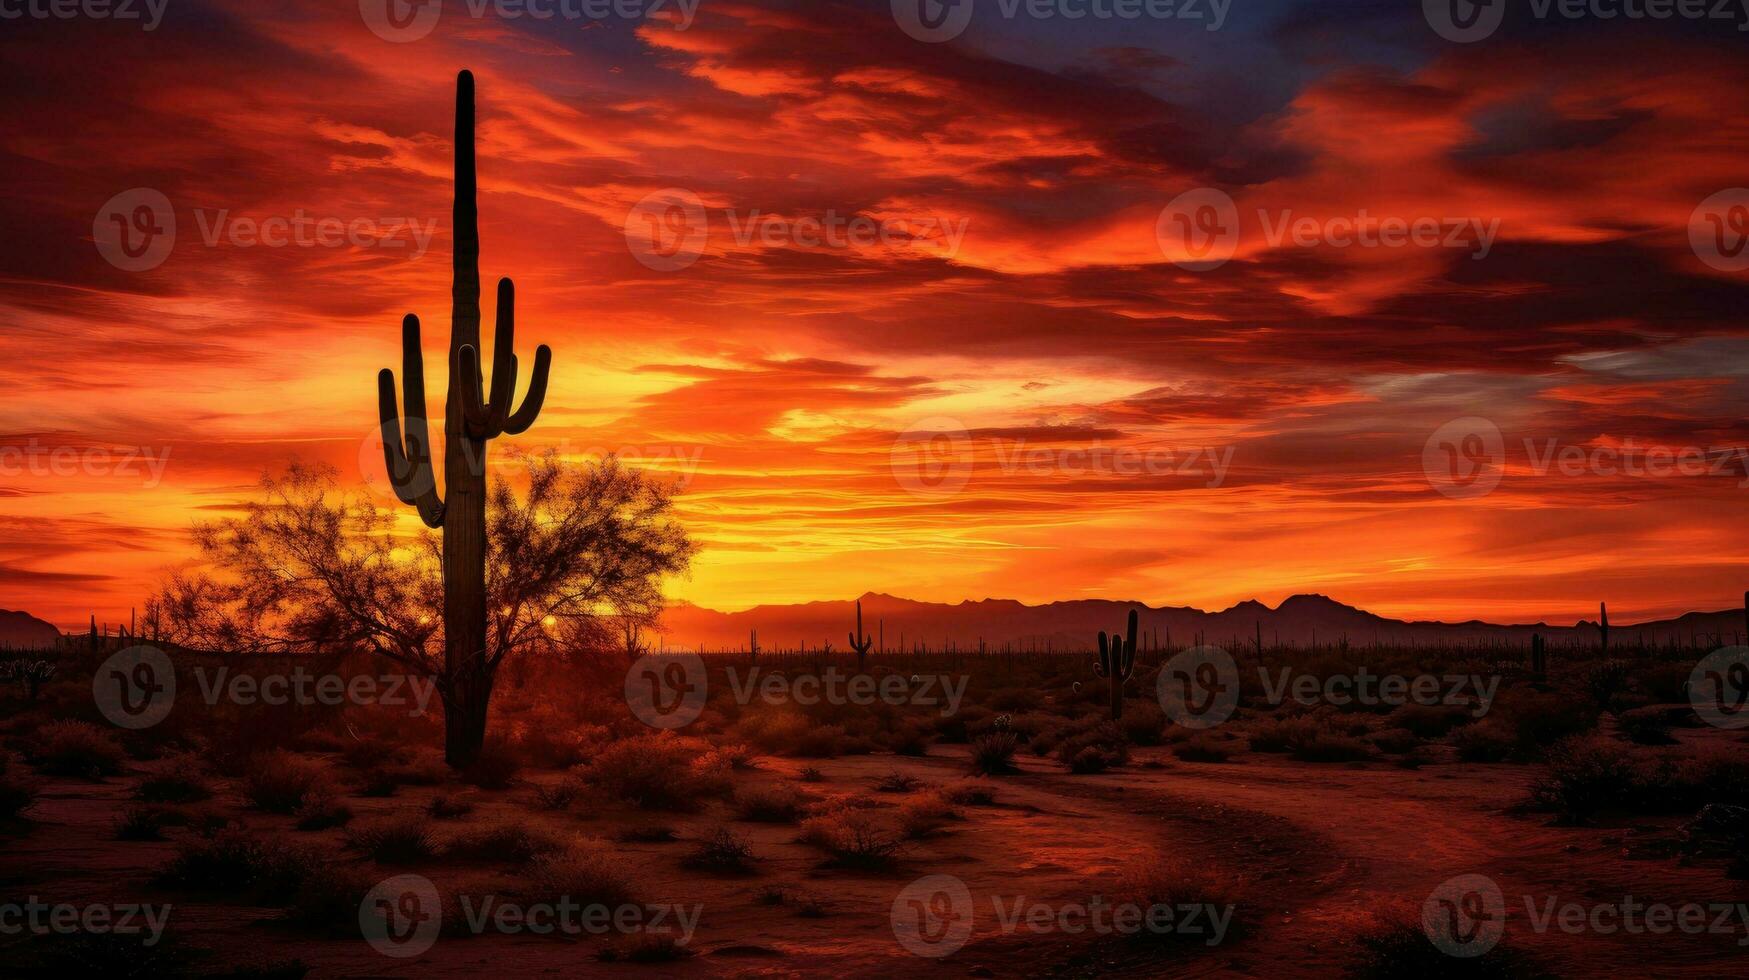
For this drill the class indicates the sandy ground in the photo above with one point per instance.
(1317, 848)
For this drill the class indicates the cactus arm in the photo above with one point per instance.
(537, 393)
(408, 458)
(474, 407)
(1129, 647)
(1102, 665)
(503, 359)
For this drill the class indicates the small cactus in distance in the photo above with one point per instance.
(1117, 661)
(753, 643)
(1603, 624)
(860, 642)
(1539, 658)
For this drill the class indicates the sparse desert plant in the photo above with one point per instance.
(1486, 741)
(278, 781)
(1649, 725)
(179, 781)
(404, 839)
(657, 772)
(649, 948)
(897, 782)
(585, 873)
(1394, 740)
(446, 807)
(768, 804)
(1203, 748)
(993, 754)
(1153, 881)
(507, 842)
(854, 838)
(320, 812)
(75, 748)
(559, 795)
(923, 815)
(970, 792)
(142, 823)
(1325, 746)
(648, 833)
(811, 774)
(329, 896)
(1430, 720)
(723, 852)
(1587, 775)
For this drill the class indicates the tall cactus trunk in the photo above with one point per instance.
(471, 420)
(464, 468)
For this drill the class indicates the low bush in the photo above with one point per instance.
(723, 852)
(396, 840)
(75, 748)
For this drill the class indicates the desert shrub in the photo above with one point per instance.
(1281, 734)
(648, 833)
(1646, 726)
(180, 781)
(559, 795)
(925, 814)
(897, 782)
(820, 742)
(584, 873)
(1095, 750)
(657, 772)
(446, 807)
(1588, 775)
(396, 840)
(853, 837)
(508, 842)
(993, 754)
(322, 813)
(75, 748)
(970, 792)
(1153, 881)
(1487, 741)
(1330, 747)
(1394, 740)
(278, 781)
(367, 753)
(329, 896)
(909, 739)
(143, 823)
(768, 804)
(1712, 775)
(811, 774)
(1430, 720)
(1203, 748)
(378, 784)
(16, 796)
(236, 863)
(1142, 724)
(1395, 945)
(495, 767)
(1604, 680)
(724, 852)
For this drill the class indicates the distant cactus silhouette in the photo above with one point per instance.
(858, 642)
(1117, 661)
(1539, 658)
(470, 421)
(1603, 624)
(753, 642)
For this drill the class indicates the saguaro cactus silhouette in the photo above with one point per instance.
(1603, 625)
(1117, 661)
(470, 421)
(858, 642)
(1539, 663)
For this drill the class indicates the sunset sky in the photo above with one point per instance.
(1021, 312)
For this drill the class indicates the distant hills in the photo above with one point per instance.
(22, 630)
(1300, 620)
